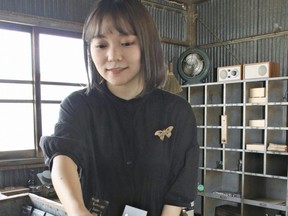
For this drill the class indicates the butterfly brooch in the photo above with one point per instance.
(166, 132)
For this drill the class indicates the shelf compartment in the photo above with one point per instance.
(221, 188)
(234, 93)
(253, 136)
(201, 157)
(214, 94)
(277, 137)
(254, 162)
(199, 115)
(214, 203)
(261, 189)
(234, 138)
(217, 182)
(277, 116)
(277, 90)
(254, 113)
(252, 210)
(213, 137)
(233, 160)
(213, 116)
(253, 84)
(200, 136)
(234, 115)
(214, 159)
(277, 165)
(197, 95)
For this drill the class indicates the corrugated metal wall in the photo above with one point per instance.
(171, 23)
(247, 31)
(69, 10)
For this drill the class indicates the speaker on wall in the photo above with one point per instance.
(261, 70)
(229, 73)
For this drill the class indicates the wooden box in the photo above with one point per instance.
(12, 205)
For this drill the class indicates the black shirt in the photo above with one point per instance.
(119, 153)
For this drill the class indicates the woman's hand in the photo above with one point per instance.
(83, 212)
(169, 210)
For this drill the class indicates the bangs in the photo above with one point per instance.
(118, 20)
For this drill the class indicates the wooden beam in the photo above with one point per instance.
(181, 1)
(189, 1)
(45, 22)
(191, 25)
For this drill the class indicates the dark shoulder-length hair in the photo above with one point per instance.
(128, 17)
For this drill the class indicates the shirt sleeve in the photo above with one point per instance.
(183, 178)
(67, 139)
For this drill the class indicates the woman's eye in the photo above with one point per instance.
(100, 46)
(127, 43)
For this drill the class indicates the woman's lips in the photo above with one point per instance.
(116, 70)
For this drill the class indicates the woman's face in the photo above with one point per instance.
(117, 57)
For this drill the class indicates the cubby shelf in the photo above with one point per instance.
(253, 181)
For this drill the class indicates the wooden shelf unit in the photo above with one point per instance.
(254, 181)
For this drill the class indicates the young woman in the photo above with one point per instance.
(123, 139)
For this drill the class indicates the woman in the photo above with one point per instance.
(123, 139)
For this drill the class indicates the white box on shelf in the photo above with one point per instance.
(257, 123)
(257, 92)
(255, 146)
(257, 100)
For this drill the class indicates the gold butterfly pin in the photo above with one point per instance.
(166, 132)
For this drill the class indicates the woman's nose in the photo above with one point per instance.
(114, 54)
